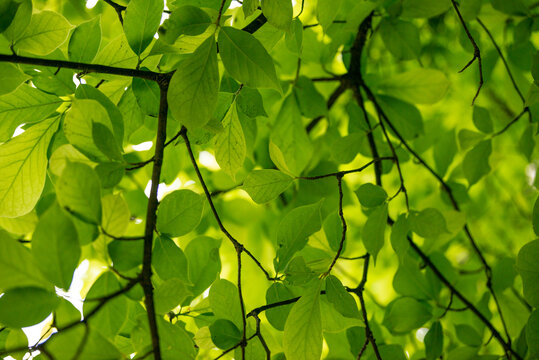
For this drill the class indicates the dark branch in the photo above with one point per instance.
(476, 51)
(151, 217)
(503, 60)
(86, 68)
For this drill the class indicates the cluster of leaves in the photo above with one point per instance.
(289, 142)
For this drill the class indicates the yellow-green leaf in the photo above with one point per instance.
(23, 161)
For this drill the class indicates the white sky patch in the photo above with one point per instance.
(78, 81)
(19, 130)
(234, 4)
(163, 188)
(531, 173)
(33, 333)
(164, 16)
(420, 333)
(189, 183)
(207, 160)
(147, 145)
(90, 4)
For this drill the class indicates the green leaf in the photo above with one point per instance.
(141, 20)
(434, 341)
(116, 214)
(66, 344)
(333, 321)
(333, 230)
(79, 192)
(410, 281)
(401, 38)
(204, 263)
(418, 86)
(230, 148)
(529, 272)
(302, 339)
(12, 78)
(337, 295)
(110, 317)
(469, 138)
(374, 230)
(175, 341)
(310, 101)
(290, 146)
(110, 174)
(428, 223)
(249, 7)
(535, 217)
(224, 334)
(20, 21)
(392, 351)
(147, 94)
(277, 316)
(194, 86)
(266, 185)
(249, 102)
(424, 8)
(117, 53)
(326, 12)
(23, 106)
(168, 260)
(294, 231)
(85, 40)
(371, 195)
(26, 306)
(294, 37)
(78, 125)
(444, 152)
(406, 314)
(55, 247)
(526, 143)
(125, 255)
(404, 116)
(104, 140)
(246, 60)
(225, 301)
(170, 294)
(516, 7)
(46, 32)
(475, 164)
(468, 335)
(179, 213)
(278, 13)
(8, 9)
(17, 266)
(185, 20)
(23, 161)
(532, 334)
(482, 120)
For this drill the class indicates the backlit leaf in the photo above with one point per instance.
(23, 161)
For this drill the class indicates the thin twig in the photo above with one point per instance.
(506, 127)
(343, 223)
(358, 291)
(476, 51)
(214, 210)
(345, 172)
(500, 53)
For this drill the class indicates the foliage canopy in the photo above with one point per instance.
(269, 179)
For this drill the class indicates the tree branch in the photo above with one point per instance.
(86, 67)
(476, 51)
(151, 217)
(234, 242)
